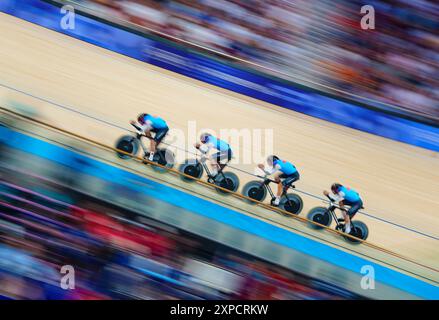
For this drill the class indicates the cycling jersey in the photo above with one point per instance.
(155, 122)
(217, 143)
(349, 194)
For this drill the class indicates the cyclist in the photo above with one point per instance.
(345, 196)
(149, 124)
(285, 177)
(208, 142)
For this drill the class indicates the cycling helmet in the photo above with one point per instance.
(141, 118)
(335, 187)
(271, 159)
(204, 136)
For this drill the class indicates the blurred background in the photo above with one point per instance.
(317, 41)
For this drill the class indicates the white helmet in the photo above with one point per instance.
(271, 159)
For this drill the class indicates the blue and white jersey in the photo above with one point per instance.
(348, 194)
(154, 122)
(217, 143)
(285, 166)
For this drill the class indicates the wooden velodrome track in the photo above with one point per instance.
(398, 182)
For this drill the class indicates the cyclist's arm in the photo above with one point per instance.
(205, 148)
(147, 127)
(338, 198)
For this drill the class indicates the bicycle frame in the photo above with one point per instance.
(331, 209)
(139, 136)
(208, 172)
(145, 150)
(266, 184)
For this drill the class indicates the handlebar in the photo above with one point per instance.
(265, 178)
(332, 202)
(139, 130)
(136, 126)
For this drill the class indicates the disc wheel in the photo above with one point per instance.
(192, 168)
(129, 145)
(228, 181)
(254, 190)
(321, 216)
(358, 230)
(165, 158)
(291, 203)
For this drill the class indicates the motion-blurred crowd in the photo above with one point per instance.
(114, 257)
(313, 40)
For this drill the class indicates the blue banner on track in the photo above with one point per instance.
(218, 73)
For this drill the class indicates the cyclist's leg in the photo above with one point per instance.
(160, 134)
(349, 215)
(278, 180)
(283, 182)
(152, 145)
(224, 158)
(229, 155)
(355, 207)
(152, 142)
(155, 141)
(289, 180)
